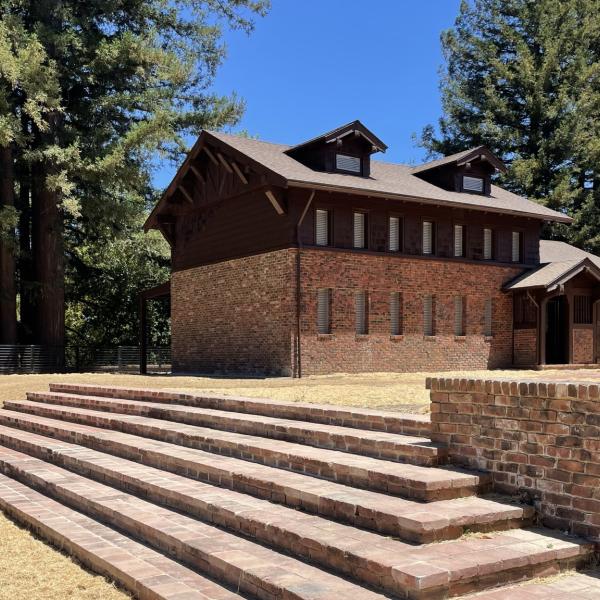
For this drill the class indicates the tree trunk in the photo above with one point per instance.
(25, 270)
(8, 294)
(48, 262)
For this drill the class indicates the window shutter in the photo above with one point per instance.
(359, 230)
(459, 328)
(360, 299)
(516, 246)
(487, 244)
(487, 318)
(343, 162)
(323, 320)
(428, 316)
(473, 184)
(322, 227)
(394, 234)
(427, 237)
(395, 316)
(458, 240)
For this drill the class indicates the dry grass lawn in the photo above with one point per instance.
(31, 570)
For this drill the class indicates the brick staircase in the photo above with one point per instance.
(189, 497)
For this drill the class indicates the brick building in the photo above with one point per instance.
(317, 259)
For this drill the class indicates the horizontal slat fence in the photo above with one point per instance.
(46, 359)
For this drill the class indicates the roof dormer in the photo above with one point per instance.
(468, 172)
(345, 150)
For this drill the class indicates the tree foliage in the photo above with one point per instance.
(90, 92)
(523, 78)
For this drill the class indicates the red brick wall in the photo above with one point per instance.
(235, 316)
(347, 272)
(525, 341)
(536, 439)
(583, 345)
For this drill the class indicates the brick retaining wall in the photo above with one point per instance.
(540, 440)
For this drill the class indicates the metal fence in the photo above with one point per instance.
(46, 359)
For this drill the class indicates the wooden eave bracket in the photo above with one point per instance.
(275, 201)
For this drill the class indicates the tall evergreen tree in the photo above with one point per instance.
(521, 77)
(133, 77)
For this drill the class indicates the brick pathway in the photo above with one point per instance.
(216, 486)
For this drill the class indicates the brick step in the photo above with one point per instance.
(362, 508)
(295, 532)
(378, 444)
(231, 560)
(351, 469)
(402, 570)
(345, 416)
(570, 586)
(143, 572)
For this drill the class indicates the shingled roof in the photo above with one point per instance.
(559, 263)
(394, 181)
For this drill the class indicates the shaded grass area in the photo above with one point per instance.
(33, 570)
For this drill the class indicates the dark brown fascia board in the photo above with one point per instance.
(334, 134)
(204, 138)
(489, 156)
(432, 201)
(585, 264)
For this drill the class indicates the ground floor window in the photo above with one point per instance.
(323, 310)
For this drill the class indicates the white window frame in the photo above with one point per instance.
(428, 227)
(359, 230)
(516, 246)
(459, 240)
(319, 214)
(488, 243)
(395, 241)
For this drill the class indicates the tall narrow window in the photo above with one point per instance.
(428, 230)
(395, 240)
(323, 318)
(361, 307)
(395, 313)
(487, 244)
(322, 227)
(459, 236)
(360, 227)
(487, 318)
(516, 246)
(428, 323)
(459, 316)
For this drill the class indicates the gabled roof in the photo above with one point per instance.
(552, 273)
(461, 158)
(387, 180)
(354, 127)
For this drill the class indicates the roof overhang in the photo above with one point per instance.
(429, 201)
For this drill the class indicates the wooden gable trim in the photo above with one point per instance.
(211, 146)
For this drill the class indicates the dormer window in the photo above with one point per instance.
(473, 184)
(349, 164)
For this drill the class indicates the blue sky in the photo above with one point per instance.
(311, 65)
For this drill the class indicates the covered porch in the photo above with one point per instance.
(556, 315)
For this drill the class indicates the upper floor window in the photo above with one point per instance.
(473, 184)
(352, 164)
(360, 230)
(322, 227)
(459, 241)
(395, 234)
(488, 239)
(516, 246)
(428, 237)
